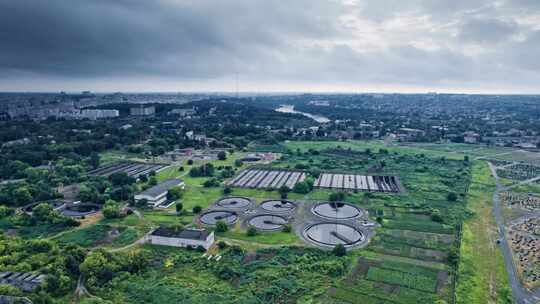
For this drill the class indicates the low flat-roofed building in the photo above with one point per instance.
(157, 194)
(181, 238)
(26, 281)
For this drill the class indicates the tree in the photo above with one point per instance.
(197, 209)
(22, 196)
(42, 212)
(175, 193)
(251, 231)
(179, 207)
(436, 216)
(222, 155)
(302, 187)
(94, 160)
(283, 191)
(222, 245)
(221, 226)
(339, 250)
(380, 220)
(143, 178)
(452, 197)
(111, 210)
(152, 181)
(209, 183)
(227, 190)
(238, 163)
(190, 162)
(337, 196)
(121, 179)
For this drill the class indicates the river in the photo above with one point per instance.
(290, 109)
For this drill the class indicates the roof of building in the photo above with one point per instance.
(162, 187)
(192, 234)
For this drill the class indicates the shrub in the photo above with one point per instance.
(339, 250)
(221, 226)
(227, 190)
(452, 197)
(337, 196)
(251, 231)
(287, 228)
(222, 155)
(213, 182)
(197, 209)
(222, 245)
(111, 210)
(179, 207)
(200, 248)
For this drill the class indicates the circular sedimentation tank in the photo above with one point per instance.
(332, 234)
(212, 217)
(337, 210)
(233, 202)
(268, 222)
(81, 209)
(278, 206)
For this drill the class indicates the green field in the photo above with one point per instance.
(482, 276)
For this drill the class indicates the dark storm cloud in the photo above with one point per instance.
(184, 38)
(436, 43)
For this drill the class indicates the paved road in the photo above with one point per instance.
(519, 293)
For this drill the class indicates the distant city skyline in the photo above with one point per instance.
(354, 46)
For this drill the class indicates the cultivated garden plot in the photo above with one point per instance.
(521, 200)
(524, 238)
(519, 172)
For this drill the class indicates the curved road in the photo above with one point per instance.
(520, 294)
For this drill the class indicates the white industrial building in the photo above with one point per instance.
(181, 238)
(142, 111)
(94, 114)
(157, 195)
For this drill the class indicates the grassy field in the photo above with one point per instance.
(482, 276)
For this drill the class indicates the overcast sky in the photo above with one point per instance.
(272, 45)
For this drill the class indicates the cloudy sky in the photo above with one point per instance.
(271, 45)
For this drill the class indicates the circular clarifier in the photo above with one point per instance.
(268, 222)
(212, 217)
(332, 234)
(84, 209)
(233, 202)
(278, 206)
(337, 210)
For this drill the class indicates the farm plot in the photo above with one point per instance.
(257, 178)
(519, 172)
(521, 200)
(133, 169)
(388, 281)
(351, 182)
(525, 242)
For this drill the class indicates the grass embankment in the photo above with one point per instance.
(482, 276)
